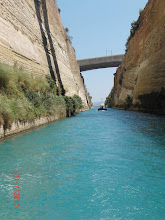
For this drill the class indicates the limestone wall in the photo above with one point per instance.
(143, 69)
(32, 35)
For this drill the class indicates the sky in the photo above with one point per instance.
(99, 28)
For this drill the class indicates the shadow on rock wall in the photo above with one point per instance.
(46, 38)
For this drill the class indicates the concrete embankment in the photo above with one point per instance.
(20, 127)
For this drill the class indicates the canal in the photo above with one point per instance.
(95, 165)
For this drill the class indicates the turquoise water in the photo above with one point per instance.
(96, 165)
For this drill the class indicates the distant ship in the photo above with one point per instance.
(102, 107)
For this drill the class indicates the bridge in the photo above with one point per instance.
(100, 62)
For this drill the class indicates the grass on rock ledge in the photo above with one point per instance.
(24, 97)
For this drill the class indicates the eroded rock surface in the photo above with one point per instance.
(32, 35)
(142, 75)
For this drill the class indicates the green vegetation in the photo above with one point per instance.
(153, 102)
(134, 28)
(89, 99)
(68, 37)
(128, 102)
(24, 97)
(121, 79)
(67, 30)
(140, 11)
(109, 99)
(73, 105)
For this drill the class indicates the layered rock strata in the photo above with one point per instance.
(32, 35)
(140, 80)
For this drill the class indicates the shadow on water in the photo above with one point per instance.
(138, 123)
(145, 125)
(42, 4)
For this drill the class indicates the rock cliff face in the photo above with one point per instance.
(32, 35)
(140, 80)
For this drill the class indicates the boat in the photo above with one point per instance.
(102, 107)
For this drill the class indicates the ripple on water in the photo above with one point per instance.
(96, 165)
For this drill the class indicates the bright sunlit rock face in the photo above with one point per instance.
(32, 35)
(143, 69)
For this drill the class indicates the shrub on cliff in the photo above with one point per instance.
(73, 105)
(68, 37)
(128, 102)
(121, 79)
(109, 99)
(77, 102)
(141, 11)
(153, 102)
(24, 98)
(4, 77)
(89, 98)
(134, 28)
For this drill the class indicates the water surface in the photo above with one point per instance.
(96, 165)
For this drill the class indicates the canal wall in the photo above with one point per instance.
(17, 126)
(33, 37)
(140, 81)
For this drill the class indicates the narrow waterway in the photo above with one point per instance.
(96, 165)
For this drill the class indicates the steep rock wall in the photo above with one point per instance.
(32, 35)
(142, 73)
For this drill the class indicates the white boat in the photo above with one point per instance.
(102, 107)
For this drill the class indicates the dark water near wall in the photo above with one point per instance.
(96, 165)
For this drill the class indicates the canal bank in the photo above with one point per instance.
(27, 101)
(21, 127)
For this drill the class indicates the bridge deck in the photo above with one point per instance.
(100, 62)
